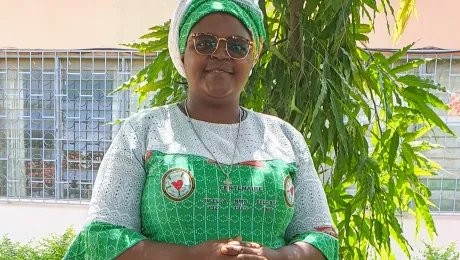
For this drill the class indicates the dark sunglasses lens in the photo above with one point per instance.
(205, 44)
(237, 48)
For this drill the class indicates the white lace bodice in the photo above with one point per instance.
(118, 188)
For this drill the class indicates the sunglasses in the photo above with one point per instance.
(237, 48)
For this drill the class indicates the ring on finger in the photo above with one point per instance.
(241, 250)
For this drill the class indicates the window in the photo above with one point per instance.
(53, 122)
(445, 193)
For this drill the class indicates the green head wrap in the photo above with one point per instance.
(189, 12)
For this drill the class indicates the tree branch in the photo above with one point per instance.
(295, 8)
(264, 12)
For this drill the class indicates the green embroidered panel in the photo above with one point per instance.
(185, 200)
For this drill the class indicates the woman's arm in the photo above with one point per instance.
(114, 216)
(149, 250)
(296, 251)
(300, 251)
(311, 229)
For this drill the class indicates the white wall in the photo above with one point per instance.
(26, 221)
(448, 228)
(22, 221)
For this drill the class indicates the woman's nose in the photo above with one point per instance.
(221, 52)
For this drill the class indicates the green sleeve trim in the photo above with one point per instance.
(102, 241)
(325, 243)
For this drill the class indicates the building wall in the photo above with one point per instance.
(54, 24)
(429, 28)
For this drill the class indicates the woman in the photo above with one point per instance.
(194, 180)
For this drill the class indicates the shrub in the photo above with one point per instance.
(53, 247)
(432, 252)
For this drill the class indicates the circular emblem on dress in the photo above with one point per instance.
(289, 191)
(178, 184)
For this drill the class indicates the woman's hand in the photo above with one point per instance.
(249, 251)
(212, 249)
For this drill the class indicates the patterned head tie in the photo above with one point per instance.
(189, 12)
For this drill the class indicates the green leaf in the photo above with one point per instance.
(424, 145)
(134, 80)
(432, 116)
(425, 162)
(311, 6)
(365, 28)
(400, 53)
(151, 46)
(409, 137)
(323, 93)
(142, 97)
(116, 122)
(408, 66)
(278, 54)
(420, 203)
(160, 31)
(422, 172)
(162, 96)
(393, 149)
(146, 75)
(360, 37)
(156, 34)
(412, 80)
(154, 86)
(338, 117)
(420, 95)
(293, 106)
(405, 12)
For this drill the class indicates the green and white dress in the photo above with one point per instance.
(157, 181)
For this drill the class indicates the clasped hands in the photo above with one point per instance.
(234, 248)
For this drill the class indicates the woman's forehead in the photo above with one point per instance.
(221, 25)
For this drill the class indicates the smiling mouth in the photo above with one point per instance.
(218, 71)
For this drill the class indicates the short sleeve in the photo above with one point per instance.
(312, 222)
(114, 222)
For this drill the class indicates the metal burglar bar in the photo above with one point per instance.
(54, 110)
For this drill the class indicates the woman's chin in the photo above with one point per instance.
(218, 93)
(218, 89)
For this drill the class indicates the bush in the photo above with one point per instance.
(53, 247)
(432, 252)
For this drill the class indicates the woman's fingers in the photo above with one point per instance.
(233, 250)
(251, 257)
(253, 245)
(238, 243)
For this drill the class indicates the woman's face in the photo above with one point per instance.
(217, 78)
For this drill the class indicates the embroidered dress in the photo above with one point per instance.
(158, 182)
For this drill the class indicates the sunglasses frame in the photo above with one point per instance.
(250, 44)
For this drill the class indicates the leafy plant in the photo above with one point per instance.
(361, 113)
(53, 247)
(432, 252)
